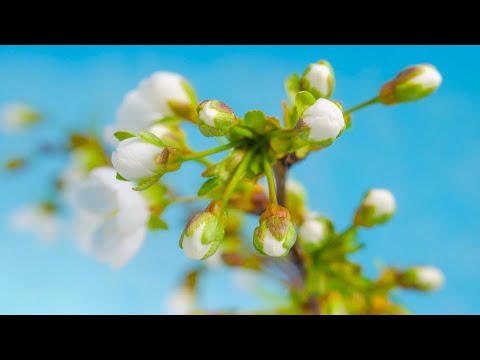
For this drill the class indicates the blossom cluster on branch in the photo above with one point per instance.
(118, 196)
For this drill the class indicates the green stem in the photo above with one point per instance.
(272, 191)
(202, 154)
(281, 132)
(242, 131)
(362, 105)
(186, 199)
(241, 168)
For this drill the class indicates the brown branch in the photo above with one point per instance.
(280, 169)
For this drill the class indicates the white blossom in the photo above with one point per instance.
(110, 217)
(181, 301)
(38, 219)
(17, 116)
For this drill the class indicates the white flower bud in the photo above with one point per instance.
(318, 79)
(276, 233)
(411, 84)
(377, 207)
(315, 231)
(321, 123)
(215, 118)
(16, 117)
(425, 278)
(136, 159)
(203, 234)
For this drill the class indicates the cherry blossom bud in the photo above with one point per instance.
(377, 207)
(318, 79)
(321, 123)
(204, 232)
(215, 118)
(136, 159)
(426, 278)
(315, 231)
(276, 233)
(411, 84)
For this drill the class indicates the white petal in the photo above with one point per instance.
(325, 120)
(312, 231)
(192, 245)
(160, 88)
(96, 197)
(207, 114)
(429, 77)
(382, 200)
(134, 159)
(273, 247)
(317, 77)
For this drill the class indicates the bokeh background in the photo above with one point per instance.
(427, 153)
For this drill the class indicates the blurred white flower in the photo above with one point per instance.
(110, 217)
(151, 101)
(17, 116)
(181, 301)
(40, 219)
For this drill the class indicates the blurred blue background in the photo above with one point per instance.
(427, 153)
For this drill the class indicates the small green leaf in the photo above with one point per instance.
(151, 138)
(208, 186)
(255, 120)
(122, 135)
(292, 85)
(120, 177)
(256, 166)
(155, 223)
(146, 183)
(303, 101)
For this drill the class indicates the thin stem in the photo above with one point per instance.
(272, 195)
(242, 131)
(362, 105)
(204, 162)
(186, 199)
(202, 154)
(242, 167)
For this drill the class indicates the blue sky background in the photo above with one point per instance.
(427, 153)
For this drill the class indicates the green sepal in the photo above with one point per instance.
(120, 177)
(151, 138)
(146, 183)
(209, 186)
(303, 100)
(190, 91)
(155, 223)
(122, 135)
(255, 120)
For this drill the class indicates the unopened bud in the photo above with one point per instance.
(411, 84)
(377, 207)
(321, 123)
(318, 79)
(215, 118)
(276, 233)
(204, 232)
